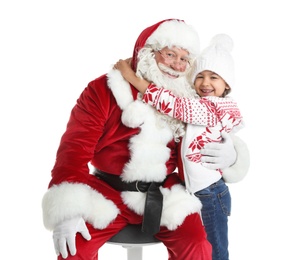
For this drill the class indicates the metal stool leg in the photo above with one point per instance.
(134, 252)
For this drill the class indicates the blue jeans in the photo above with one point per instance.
(216, 201)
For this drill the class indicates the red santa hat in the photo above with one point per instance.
(167, 33)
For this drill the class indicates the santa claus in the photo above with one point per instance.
(132, 149)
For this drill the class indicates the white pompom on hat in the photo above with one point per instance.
(217, 58)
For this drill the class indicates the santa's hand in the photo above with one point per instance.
(64, 235)
(219, 155)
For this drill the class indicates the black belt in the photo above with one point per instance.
(118, 184)
(154, 198)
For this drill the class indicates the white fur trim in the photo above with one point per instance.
(239, 169)
(134, 114)
(177, 205)
(175, 33)
(149, 151)
(134, 200)
(68, 200)
(120, 88)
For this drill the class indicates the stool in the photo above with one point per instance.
(133, 239)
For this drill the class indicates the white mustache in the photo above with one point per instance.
(170, 71)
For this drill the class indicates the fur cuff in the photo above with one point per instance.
(68, 200)
(239, 169)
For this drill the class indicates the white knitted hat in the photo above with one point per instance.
(217, 58)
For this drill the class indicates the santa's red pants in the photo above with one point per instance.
(187, 242)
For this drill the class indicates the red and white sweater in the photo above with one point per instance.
(207, 118)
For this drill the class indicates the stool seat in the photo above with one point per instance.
(133, 239)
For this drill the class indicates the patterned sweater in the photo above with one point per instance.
(206, 119)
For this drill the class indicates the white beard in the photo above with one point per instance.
(181, 86)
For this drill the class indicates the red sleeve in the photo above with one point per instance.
(84, 128)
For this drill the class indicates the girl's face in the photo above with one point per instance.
(208, 83)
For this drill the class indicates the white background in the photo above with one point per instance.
(50, 50)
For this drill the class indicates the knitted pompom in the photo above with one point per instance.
(223, 41)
